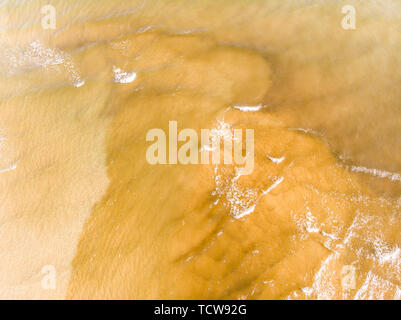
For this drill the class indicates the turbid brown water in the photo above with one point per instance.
(319, 217)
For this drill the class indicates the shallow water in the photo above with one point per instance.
(319, 217)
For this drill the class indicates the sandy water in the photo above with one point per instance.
(78, 194)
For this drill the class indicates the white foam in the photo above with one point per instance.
(10, 168)
(248, 108)
(374, 288)
(392, 256)
(276, 160)
(245, 212)
(274, 185)
(241, 201)
(376, 172)
(79, 83)
(37, 55)
(122, 76)
(306, 130)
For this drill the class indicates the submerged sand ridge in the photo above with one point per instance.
(299, 225)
